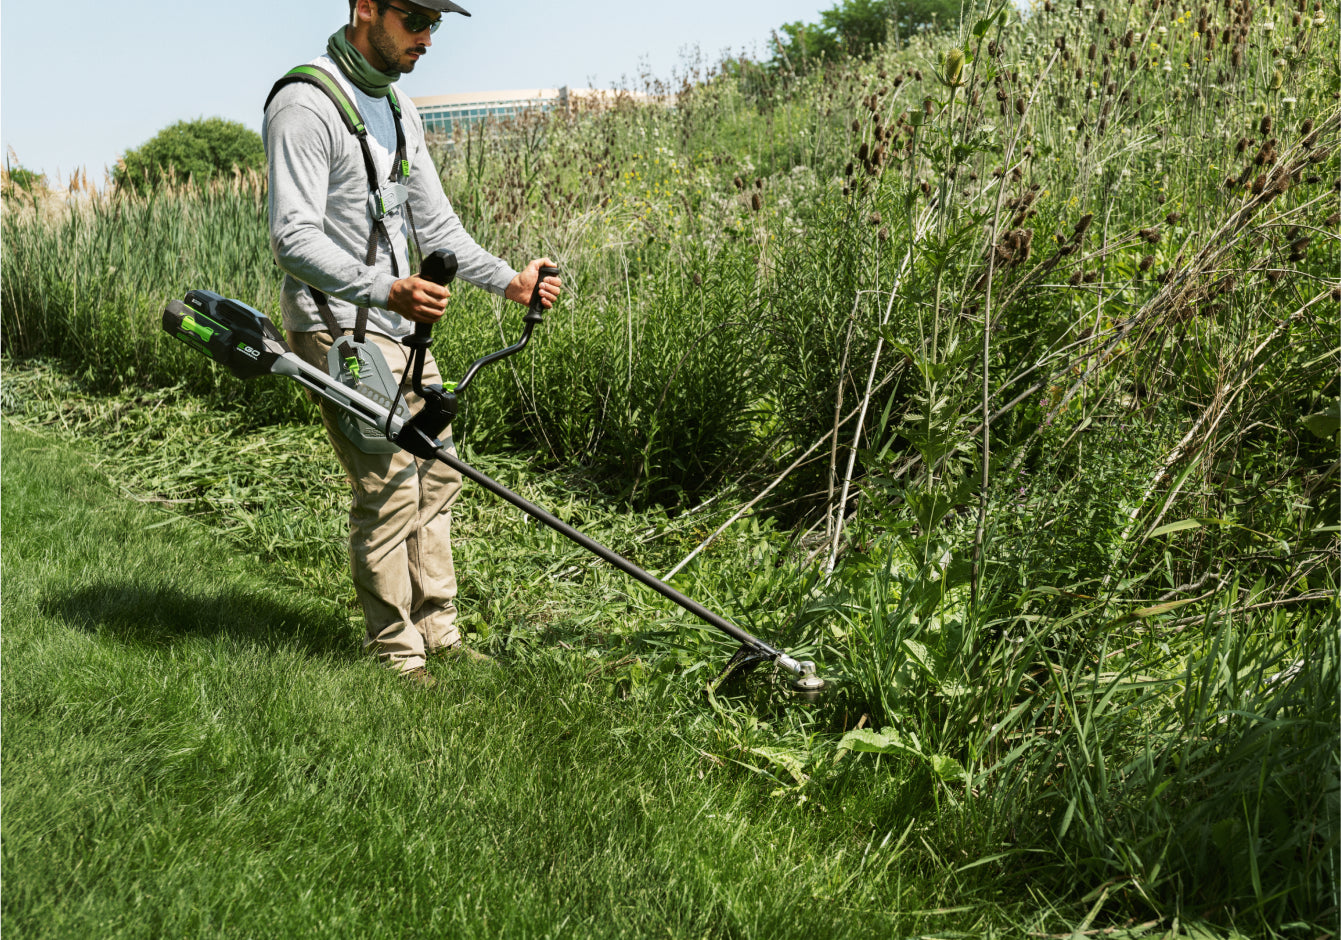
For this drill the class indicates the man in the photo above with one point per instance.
(343, 210)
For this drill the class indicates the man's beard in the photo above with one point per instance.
(392, 55)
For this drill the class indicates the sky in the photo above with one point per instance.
(82, 82)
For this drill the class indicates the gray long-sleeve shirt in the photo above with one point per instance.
(321, 211)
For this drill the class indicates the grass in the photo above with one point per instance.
(191, 749)
(212, 756)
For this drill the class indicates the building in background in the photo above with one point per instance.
(444, 114)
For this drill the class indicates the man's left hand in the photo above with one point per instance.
(523, 285)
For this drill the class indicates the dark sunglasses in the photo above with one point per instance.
(417, 22)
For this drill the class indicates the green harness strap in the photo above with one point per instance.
(383, 199)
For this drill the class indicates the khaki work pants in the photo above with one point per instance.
(400, 550)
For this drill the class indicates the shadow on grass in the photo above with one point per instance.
(156, 615)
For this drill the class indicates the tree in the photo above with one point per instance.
(857, 25)
(17, 180)
(857, 28)
(25, 179)
(199, 150)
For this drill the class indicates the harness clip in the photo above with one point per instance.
(388, 199)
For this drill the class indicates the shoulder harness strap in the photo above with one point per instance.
(315, 75)
(384, 199)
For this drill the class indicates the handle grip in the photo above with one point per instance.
(535, 309)
(440, 268)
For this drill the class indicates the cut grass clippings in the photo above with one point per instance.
(190, 749)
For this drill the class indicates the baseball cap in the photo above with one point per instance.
(443, 6)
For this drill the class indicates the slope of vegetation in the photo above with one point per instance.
(1005, 361)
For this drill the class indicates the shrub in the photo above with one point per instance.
(25, 179)
(199, 150)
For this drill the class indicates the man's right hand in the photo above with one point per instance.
(417, 299)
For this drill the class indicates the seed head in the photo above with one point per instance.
(1147, 263)
(954, 68)
(1264, 126)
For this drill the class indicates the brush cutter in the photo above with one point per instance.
(243, 340)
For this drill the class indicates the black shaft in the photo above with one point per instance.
(596, 548)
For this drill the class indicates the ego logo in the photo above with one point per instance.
(248, 351)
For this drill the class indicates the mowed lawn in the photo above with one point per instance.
(189, 750)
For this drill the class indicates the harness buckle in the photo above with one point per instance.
(388, 199)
